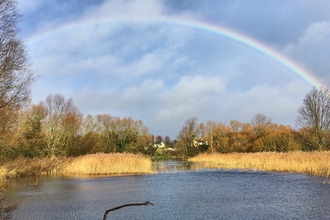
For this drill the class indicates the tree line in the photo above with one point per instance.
(56, 127)
(312, 133)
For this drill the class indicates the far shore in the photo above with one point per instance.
(316, 163)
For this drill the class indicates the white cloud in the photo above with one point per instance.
(315, 33)
(278, 102)
(189, 96)
(311, 50)
(145, 94)
(133, 100)
(148, 63)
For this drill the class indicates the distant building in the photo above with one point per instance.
(160, 145)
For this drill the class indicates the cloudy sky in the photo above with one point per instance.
(164, 61)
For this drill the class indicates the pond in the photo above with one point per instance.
(176, 194)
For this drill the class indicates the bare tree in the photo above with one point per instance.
(260, 122)
(159, 139)
(260, 119)
(89, 124)
(121, 134)
(314, 116)
(188, 133)
(168, 141)
(62, 124)
(16, 77)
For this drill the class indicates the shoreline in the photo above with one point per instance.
(316, 163)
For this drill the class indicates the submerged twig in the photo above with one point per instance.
(122, 206)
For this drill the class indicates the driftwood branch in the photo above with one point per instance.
(122, 206)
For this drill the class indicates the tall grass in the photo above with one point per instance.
(34, 166)
(108, 164)
(3, 173)
(315, 163)
(93, 164)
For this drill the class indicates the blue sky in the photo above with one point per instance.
(164, 73)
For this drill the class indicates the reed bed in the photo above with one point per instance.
(93, 164)
(3, 172)
(315, 163)
(31, 166)
(105, 164)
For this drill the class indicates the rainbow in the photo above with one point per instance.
(203, 26)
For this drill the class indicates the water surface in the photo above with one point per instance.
(189, 194)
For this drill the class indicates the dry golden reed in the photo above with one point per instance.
(315, 163)
(85, 165)
(28, 166)
(115, 163)
(3, 173)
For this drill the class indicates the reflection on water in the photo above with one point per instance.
(194, 194)
(173, 165)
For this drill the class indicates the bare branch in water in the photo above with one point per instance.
(122, 206)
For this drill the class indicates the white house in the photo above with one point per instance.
(160, 145)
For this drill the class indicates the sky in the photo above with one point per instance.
(165, 61)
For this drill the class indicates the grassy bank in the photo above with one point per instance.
(315, 163)
(93, 164)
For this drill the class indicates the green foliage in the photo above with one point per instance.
(150, 151)
(159, 157)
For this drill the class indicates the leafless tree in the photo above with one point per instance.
(314, 116)
(260, 119)
(168, 141)
(159, 139)
(260, 122)
(16, 77)
(188, 133)
(62, 124)
(118, 134)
